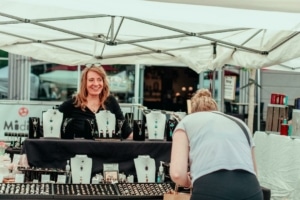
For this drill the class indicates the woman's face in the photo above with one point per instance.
(94, 84)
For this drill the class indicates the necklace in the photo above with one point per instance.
(107, 118)
(92, 125)
(146, 169)
(171, 124)
(155, 127)
(94, 107)
(81, 166)
(51, 121)
(66, 122)
(139, 124)
(35, 125)
(129, 118)
(107, 132)
(81, 170)
(120, 125)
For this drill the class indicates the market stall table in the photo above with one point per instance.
(54, 153)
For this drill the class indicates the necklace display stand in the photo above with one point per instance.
(34, 127)
(106, 122)
(52, 120)
(81, 169)
(145, 169)
(156, 122)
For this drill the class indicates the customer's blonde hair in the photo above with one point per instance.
(202, 101)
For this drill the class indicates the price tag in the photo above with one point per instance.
(19, 178)
(61, 178)
(45, 178)
(110, 167)
(16, 158)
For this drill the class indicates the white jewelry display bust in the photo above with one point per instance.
(81, 169)
(145, 169)
(52, 120)
(106, 122)
(156, 122)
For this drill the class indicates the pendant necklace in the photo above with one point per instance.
(107, 132)
(107, 124)
(146, 171)
(81, 170)
(107, 118)
(81, 166)
(66, 122)
(139, 123)
(51, 121)
(94, 107)
(155, 126)
(171, 126)
(129, 117)
(92, 125)
(34, 123)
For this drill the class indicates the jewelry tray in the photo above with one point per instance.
(116, 191)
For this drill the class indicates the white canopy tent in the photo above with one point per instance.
(288, 66)
(148, 32)
(199, 34)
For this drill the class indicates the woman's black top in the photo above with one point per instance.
(82, 124)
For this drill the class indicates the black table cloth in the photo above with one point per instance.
(54, 153)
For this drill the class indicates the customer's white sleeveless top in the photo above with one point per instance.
(216, 142)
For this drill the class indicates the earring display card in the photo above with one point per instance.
(138, 130)
(34, 127)
(111, 172)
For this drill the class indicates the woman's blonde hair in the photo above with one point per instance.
(81, 97)
(202, 101)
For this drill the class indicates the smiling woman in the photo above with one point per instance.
(93, 97)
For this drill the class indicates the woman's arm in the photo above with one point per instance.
(179, 159)
(253, 159)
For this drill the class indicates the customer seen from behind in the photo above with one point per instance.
(213, 154)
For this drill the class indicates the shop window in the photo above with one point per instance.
(60, 82)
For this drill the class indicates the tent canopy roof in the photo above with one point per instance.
(266, 5)
(147, 32)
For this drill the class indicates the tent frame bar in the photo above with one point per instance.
(113, 36)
